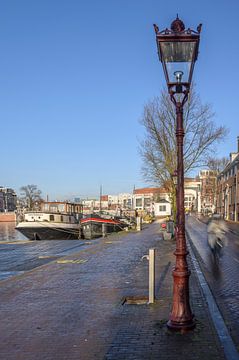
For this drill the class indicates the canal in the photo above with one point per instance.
(9, 233)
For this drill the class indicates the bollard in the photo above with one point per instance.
(170, 227)
(104, 230)
(151, 258)
(138, 223)
(151, 275)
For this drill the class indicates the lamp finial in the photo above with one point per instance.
(177, 25)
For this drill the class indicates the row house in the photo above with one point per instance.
(113, 203)
(153, 200)
(208, 180)
(144, 198)
(8, 199)
(123, 201)
(227, 202)
(158, 200)
(192, 194)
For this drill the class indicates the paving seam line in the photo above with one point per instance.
(224, 336)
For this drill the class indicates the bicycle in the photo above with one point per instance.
(217, 249)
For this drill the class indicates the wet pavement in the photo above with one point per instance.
(74, 306)
(19, 256)
(222, 276)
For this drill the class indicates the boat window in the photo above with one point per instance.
(61, 218)
(52, 218)
(69, 219)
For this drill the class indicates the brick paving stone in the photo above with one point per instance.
(221, 276)
(75, 310)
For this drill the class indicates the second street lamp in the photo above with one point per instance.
(178, 51)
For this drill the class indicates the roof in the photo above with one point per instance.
(163, 201)
(230, 164)
(187, 179)
(149, 191)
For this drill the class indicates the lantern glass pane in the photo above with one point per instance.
(178, 51)
(174, 67)
(178, 56)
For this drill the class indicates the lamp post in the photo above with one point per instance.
(178, 51)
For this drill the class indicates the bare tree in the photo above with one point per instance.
(30, 197)
(217, 164)
(158, 148)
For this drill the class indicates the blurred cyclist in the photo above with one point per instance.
(216, 231)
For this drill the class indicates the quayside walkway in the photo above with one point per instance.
(73, 307)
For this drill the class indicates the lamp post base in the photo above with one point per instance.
(182, 327)
(181, 317)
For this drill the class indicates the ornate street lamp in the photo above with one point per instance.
(178, 51)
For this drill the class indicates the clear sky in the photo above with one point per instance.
(75, 75)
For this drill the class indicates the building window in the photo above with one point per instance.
(52, 218)
(162, 208)
(147, 201)
(138, 202)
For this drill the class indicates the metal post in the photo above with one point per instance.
(181, 316)
(104, 230)
(151, 276)
(138, 223)
(151, 259)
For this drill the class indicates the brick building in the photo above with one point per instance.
(208, 180)
(227, 201)
(8, 199)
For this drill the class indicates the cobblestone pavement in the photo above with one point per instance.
(72, 308)
(232, 225)
(222, 276)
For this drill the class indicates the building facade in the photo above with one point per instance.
(145, 198)
(192, 194)
(8, 199)
(227, 202)
(208, 179)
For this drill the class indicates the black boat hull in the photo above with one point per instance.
(41, 233)
(93, 230)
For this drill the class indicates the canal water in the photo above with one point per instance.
(9, 233)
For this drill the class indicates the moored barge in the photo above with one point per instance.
(94, 226)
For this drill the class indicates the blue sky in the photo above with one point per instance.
(75, 76)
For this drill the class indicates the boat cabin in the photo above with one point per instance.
(62, 207)
(50, 217)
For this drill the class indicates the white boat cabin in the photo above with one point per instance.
(49, 217)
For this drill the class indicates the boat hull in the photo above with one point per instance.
(91, 229)
(40, 232)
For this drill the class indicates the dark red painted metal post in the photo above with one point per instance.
(178, 50)
(181, 317)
